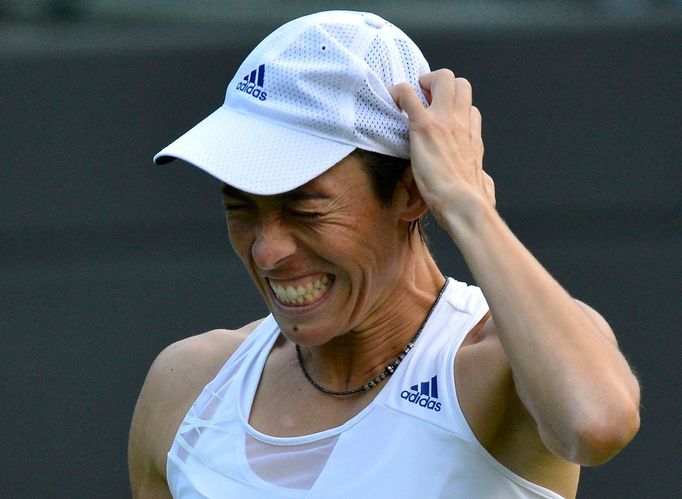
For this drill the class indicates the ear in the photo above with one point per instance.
(411, 204)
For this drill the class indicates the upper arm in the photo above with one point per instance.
(150, 428)
(173, 383)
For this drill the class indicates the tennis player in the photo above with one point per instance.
(374, 375)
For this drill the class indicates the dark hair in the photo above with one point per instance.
(385, 172)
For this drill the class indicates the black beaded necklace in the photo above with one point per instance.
(390, 368)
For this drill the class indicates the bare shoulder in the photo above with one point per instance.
(193, 361)
(175, 379)
(183, 368)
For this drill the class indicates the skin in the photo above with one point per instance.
(541, 380)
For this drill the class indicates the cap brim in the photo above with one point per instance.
(254, 155)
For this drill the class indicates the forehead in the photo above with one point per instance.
(349, 173)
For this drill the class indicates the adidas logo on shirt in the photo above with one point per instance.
(252, 83)
(424, 394)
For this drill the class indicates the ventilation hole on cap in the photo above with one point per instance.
(324, 47)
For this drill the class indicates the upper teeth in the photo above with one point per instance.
(297, 295)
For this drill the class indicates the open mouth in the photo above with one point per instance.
(302, 292)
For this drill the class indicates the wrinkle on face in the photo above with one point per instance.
(334, 224)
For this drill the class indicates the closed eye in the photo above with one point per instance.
(234, 199)
(305, 214)
(232, 206)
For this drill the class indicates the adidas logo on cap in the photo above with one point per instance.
(423, 394)
(252, 83)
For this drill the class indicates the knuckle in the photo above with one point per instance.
(463, 85)
(425, 126)
(445, 73)
(431, 126)
(463, 81)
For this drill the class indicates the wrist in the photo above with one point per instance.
(466, 216)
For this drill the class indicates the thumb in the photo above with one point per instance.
(407, 99)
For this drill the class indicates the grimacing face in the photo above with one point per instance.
(326, 256)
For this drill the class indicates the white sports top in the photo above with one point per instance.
(411, 441)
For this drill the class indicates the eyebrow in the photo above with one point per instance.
(295, 195)
(229, 191)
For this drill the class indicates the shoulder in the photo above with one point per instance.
(195, 360)
(174, 381)
(183, 368)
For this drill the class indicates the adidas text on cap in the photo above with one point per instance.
(306, 97)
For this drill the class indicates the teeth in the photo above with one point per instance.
(301, 295)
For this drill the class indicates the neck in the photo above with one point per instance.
(351, 360)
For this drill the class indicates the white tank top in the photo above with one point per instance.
(411, 441)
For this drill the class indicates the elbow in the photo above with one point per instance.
(599, 440)
(606, 425)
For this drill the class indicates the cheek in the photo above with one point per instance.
(354, 244)
(239, 233)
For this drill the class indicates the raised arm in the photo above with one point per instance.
(566, 365)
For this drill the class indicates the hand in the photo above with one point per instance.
(445, 143)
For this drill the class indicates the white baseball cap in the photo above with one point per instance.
(307, 96)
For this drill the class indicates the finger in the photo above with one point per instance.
(476, 125)
(463, 97)
(489, 187)
(441, 85)
(406, 98)
(427, 95)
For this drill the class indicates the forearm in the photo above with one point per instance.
(566, 365)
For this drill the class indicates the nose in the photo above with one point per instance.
(272, 245)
